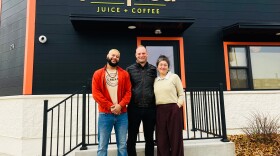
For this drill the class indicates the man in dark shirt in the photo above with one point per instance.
(142, 105)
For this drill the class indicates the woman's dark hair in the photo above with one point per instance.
(163, 58)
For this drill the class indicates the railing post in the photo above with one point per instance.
(206, 126)
(192, 110)
(223, 118)
(84, 146)
(45, 124)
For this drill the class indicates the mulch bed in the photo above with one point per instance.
(257, 145)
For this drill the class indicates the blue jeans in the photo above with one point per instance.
(106, 122)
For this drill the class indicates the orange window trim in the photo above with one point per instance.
(29, 47)
(182, 61)
(226, 44)
(0, 11)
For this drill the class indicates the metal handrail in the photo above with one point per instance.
(49, 113)
(204, 120)
(208, 113)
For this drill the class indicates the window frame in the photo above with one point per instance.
(246, 68)
(227, 45)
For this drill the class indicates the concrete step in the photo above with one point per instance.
(206, 147)
(2, 154)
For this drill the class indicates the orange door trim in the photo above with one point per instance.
(226, 44)
(0, 11)
(29, 47)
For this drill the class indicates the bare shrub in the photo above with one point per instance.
(262, 127)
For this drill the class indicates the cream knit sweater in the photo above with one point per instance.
(169, 90)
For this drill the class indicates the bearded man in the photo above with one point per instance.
(111, 89)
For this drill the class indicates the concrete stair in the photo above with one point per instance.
(206, 147)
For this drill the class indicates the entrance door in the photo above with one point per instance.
(168, 46)
(173, 48)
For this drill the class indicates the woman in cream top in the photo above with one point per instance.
(170, 98)
(169, 89)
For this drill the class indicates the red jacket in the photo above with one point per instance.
(100, 92)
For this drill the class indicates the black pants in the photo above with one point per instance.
(148, 118)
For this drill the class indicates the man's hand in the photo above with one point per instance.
(116, 109)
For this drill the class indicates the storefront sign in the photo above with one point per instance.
(152, 7)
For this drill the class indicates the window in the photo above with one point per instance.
(238, 68)
(265, 67)
(155, 51)
(253, 67)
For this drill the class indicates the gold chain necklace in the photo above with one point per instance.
(112, 74)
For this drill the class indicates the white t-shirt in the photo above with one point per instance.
(111, 77)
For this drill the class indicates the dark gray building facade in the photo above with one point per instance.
(234, 42)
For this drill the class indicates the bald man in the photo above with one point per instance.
(111, 89)
(142, 107)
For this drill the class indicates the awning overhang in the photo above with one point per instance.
(249, 31)
(147, 25)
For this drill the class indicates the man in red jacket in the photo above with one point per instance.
(111, 89)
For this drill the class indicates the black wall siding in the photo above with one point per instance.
(69, 58)
(12, 32)
(202, 41)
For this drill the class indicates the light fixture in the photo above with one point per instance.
(131, 27)
(158, 32)
(42, 39)
(277, 34)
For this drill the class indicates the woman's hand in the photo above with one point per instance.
(179, 105)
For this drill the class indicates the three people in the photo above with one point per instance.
(170, 98)
(142, 105)
(111, 89)
(154, 100)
